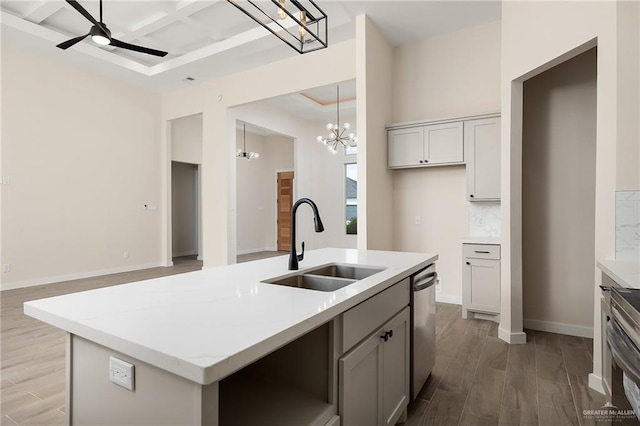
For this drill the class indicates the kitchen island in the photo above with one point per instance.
(221, 346)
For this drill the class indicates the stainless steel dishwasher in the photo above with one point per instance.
(423, 327)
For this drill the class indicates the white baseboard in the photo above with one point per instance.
(446, 298)
(77, 276)
(557, 327)
(596, 383)
(254, 250)
(518, 338)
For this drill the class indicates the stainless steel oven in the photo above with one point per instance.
(623, 341)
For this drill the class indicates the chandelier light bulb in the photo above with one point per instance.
(281, 13)
(256, 155)
(238, 152)
(338, 134)
(302, 29)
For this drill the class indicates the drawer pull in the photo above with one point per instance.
(482, 252)
(387, 335)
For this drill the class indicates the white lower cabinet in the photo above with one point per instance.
(374, 376)
(481, 281)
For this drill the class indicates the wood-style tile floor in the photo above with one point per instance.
(477, 379)
(480, 380)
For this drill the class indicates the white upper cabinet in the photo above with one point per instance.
(443, 143)
(428, 145)
(405, 147)
(482, 150)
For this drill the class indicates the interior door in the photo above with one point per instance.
(285, 201)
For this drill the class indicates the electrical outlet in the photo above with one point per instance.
(6, 180)
(438, 286)
(6, 267)
(125, 255)
(418, 220)
(481, 220)
(121, 373)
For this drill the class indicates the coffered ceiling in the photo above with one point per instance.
(208, 38)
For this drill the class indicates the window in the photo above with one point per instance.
(351, 198)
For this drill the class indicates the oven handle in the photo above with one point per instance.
(623, 350)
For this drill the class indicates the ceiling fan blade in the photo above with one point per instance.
(67, 44)
(123, 45)
(83, 12)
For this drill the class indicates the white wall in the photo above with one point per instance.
(558, 184)
(535, 37)
(451, 75)
(186, 139)
(328, 190)
(256, 190)
(83, 155)
(375, 183)
(628, 76)
(213, 99)
(184, 209)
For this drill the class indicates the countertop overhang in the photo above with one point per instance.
(624, 272)
(207, 324)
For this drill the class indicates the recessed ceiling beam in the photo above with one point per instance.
(42, 10)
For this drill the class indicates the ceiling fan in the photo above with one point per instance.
(100, 34)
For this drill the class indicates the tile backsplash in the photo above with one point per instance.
(484, 219)
(628, 225)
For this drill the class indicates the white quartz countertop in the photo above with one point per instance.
(207, 324)
(481, 240)
(624, 272)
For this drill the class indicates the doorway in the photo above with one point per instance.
(185, 196)
(558, 197)
(284, 202)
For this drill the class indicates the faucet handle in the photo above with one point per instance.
(301, 255)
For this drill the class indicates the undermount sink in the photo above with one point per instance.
(345, 271)
(326, 278)
(312, 282)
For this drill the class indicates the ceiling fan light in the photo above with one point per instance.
(100, 39)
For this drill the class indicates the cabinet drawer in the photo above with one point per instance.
(363, 319)
(481, 251)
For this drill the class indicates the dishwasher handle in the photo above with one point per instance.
(421, 282)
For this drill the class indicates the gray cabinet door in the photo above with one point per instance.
(405, 147)
(374, 376)
(482, 152)
(444, 143)
(361, 384)
(481, 285)
(396, 368)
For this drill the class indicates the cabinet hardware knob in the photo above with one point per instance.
(426, 161)
(421, 161)
(468, 263)
(387, 335)
(470, 195)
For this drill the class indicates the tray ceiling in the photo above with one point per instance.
(208, 38)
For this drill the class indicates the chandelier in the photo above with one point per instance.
(242, 153)
(281, 17)
(338, 135)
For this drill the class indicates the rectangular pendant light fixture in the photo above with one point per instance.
(299, 23)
